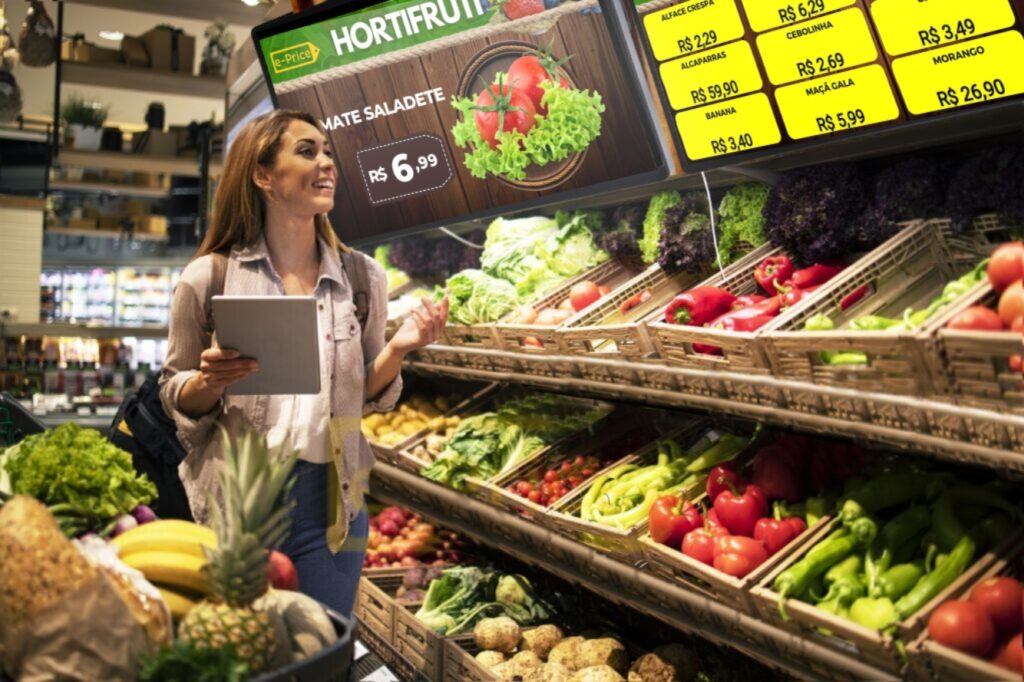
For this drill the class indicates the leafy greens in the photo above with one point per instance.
(475, 297)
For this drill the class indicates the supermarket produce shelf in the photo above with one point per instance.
(138, 163)
(85, 331)
(143, 80)
(952, 432)
(105, 234)
(108, 188)
(620, 583)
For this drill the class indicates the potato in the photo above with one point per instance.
(604, 651)
(490, 659)
(566, 653)
(497, 634)
(597, 673)
(541, 640)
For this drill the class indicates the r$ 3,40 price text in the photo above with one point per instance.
(732, 144)
(402, 169)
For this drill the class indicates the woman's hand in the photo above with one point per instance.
(422, 328)
(221, 367)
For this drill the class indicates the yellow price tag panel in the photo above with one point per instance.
(711, 76)
(912, 25)
(764, 15)
(692, 26)
(962, 74)
(816, 47)
(730, 127)
(837, 103)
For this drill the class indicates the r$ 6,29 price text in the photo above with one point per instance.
(801, 10)
(402, 169)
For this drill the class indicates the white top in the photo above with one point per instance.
(301, 421)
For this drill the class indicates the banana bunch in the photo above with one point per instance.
(170, 554)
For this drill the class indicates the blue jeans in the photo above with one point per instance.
(331, 579)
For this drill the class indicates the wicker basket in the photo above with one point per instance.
(847, 636)
(511, 337)
(931, 660)
(603, 331)
(741, 351)
(975, 365)
(671, 564)
(460, 664)
(328, 665)
(624, 545)
(909, 270)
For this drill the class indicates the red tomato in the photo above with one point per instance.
(534, 496)
(699, 544)
(1011, 655)
(567, 305)
(532, 341)
(583, 294)
(1006, 265)
(979, 318)
(526, 74)
(550, 476)
(1011, 303)
(735, 565)
(964, 626)
(502, 106)
(604, 290)
(1003, 601)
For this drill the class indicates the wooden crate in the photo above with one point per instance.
(908, 271)
(375, 607)
(974, 366)
(621, 435)
(672, 564)
(624, 544)
(389, 453)
(460, 664)
(421, 646)
(511, 337)
(931, 660)
(486, 335)
(603, 331)
(876, 648)
(741, 351)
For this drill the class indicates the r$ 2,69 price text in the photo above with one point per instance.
(402, 169)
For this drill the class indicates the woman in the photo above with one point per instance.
(270, 221)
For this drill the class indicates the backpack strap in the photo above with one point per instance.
(219, 268)
(360, 281)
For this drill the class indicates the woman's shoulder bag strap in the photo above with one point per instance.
(360, 281)
(219, 268)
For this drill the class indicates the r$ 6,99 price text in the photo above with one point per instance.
(402, 169)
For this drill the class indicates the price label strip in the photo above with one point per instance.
(837, 103)
(730, 127)
(404, 168)
(711, 76)
(765, 15)
(692, 26)
(816, 47)
(962, 74)
(911, 25)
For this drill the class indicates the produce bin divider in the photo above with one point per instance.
(510, 336)
(931, 660)
(375, 606)
(908, 270)
(460, 664)
(974, 365)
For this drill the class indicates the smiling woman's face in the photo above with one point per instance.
(303, 176)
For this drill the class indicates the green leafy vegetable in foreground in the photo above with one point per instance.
(492, 442)
(741, 220)
(184, 663)
(572, 122)
(79, 469)
(476, 297)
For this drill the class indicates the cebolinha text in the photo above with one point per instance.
(402, 23)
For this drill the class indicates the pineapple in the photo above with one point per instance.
(250, 520)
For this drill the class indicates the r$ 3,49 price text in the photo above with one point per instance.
(936, 35)
(402, 169)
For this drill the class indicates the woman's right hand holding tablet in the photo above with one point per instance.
(221, 367)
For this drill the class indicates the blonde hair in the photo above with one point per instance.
(238, 209)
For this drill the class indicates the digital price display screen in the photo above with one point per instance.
(745, 77)
(443, 111)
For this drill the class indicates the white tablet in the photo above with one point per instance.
(280, 332)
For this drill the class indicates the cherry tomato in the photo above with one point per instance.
(1002, 598)
(964, 626)
(575, 480)
(1006, 265)
(550, 476)
(579, 461)
(587, 473)
(500, 105)
(566, 467)
(524, 488)
(535, 496)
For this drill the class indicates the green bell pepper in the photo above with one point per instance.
(874, 613)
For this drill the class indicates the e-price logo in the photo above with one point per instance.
(294, 57)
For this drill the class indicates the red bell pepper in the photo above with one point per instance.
(817, 274)
(777, 533)
(671, 518)
(778, 472)
(699, 306)
(739, 510)
(711, 521)
(773, 270)
(737, 556)
(747, 319)
(723, 477)
(792, 296)
(748, 300)
(854, 296)
(635, 300)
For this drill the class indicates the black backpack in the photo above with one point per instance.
(153, 441)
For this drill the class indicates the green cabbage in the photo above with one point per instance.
(475, 297)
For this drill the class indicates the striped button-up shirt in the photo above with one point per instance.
(250, 273)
